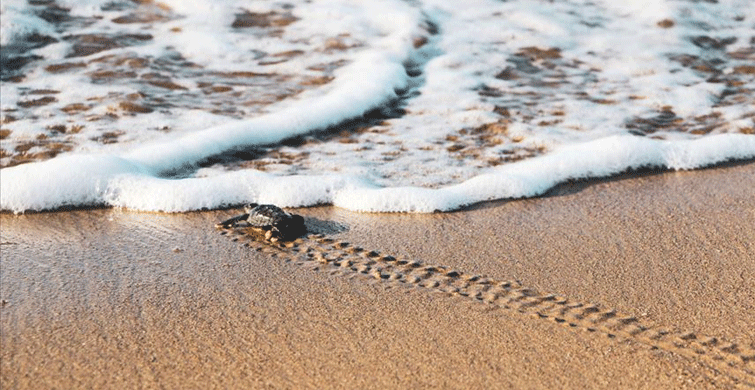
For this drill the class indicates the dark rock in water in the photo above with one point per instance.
(272, 220)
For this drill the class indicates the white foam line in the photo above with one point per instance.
(600, 158)
(117, 182)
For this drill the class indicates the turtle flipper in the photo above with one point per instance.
(231, 222)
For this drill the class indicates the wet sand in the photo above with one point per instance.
(118, 299)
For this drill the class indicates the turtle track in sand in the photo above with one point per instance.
(320, 253)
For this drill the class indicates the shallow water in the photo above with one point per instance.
(385, 106)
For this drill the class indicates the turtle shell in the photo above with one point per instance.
(266, 216)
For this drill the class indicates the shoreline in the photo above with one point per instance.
(107, 297)
(558, 189)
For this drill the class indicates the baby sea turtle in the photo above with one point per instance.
(270, 219)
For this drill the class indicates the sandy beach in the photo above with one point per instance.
(146, 119)
(118, 299)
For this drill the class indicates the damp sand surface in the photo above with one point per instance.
(117, 299)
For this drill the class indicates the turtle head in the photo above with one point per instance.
(291, 227)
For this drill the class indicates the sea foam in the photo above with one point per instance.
(114, 181)
(555, 92)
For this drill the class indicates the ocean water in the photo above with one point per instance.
(382, 106)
